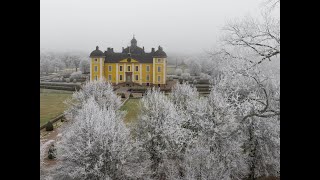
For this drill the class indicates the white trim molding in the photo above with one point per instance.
(133, 73)
(153, 70)
(140, 74)
(124, 71)
(101, 68)
(117, 73)
(91, 69)
(164, 71)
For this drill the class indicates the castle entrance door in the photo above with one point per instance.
(129, 77)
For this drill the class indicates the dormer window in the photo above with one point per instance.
(96, 60)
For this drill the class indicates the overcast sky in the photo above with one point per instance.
(182, 26)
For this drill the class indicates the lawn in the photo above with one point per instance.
(171, 70)
(51, 103)
(132, 106)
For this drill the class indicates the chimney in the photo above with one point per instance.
(110, 50)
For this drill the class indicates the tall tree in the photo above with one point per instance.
(96, 145)
(101, 91)
(160, 133)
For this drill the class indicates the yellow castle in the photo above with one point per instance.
(132, 65)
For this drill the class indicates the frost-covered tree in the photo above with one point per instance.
(195, 67)
(65, 58)
(259, 39)
(46, 63)
(159, 130)
(76, 75)
(97, 145)
(209, 155)
(44, 172)
(75, 61)
(185, 76)
(204, 76)
(178, 72)
(182, 94)
(186, 71)
(85, 65)
(255, 98)
(101, 91)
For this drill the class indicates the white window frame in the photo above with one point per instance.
(129, 68)
(148, 68)
(120, 77)
(110, 77)
(121, 68)
(159, 78)
(148, 77)
(137, 77)
(159, 70)
(110, 68)
(95, 68)
(137, 68)
(96, 77)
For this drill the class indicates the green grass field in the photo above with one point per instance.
(132, 106)
(51, 103)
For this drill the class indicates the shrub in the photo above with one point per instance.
(185, 76)
(76, 75)
(67, 80)
(49, 126)
(74, 80)
(195, 82)
(52, 152)
(55, 79)
(204, 76)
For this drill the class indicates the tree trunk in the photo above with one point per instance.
(253, 147)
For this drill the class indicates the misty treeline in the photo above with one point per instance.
(54, 62)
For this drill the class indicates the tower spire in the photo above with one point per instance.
(133, 41)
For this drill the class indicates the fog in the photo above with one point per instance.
(179, 26)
